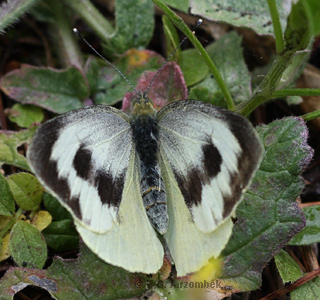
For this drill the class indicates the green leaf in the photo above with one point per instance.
(269, 214)
(56, 210)
(242, 13)
(100, 281)
(25, 115)
(227, 55)
(289, 270)
(311, 232)
(9, 142)
(61, 235)
(11, 10)
(56, 90)
(27, 246)
(310, 290)
(26, 190)
(107, 86)
(193, 67)
(88, 276)
(7, 205)
(204, 94)
(301, 24)
(134, 25)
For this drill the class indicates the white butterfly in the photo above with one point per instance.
(134, 183)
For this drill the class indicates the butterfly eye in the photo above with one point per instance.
(137, 98)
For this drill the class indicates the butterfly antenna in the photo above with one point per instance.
(76, 31)
(199, 22)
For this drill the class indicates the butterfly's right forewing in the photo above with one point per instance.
(82, 158)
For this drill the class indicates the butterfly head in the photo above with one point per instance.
(143, 105)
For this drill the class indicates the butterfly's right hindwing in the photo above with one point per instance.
(82, 158)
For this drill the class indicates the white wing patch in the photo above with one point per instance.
(108, 152)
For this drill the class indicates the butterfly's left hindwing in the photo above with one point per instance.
(82, 158)
(212, 153)
(132, 243)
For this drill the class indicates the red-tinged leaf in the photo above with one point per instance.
(168, 86)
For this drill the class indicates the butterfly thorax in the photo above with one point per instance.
(145, 137)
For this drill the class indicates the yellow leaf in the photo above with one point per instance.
(41, 219)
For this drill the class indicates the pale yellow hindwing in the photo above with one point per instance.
(190, 247)
(131, 243)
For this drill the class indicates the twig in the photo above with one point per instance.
(3, 120)
(293, 285)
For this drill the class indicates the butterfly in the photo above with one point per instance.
(136, 184)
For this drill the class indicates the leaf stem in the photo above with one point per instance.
(212, 67)
(90, 14)
(280, 46)
(268, 85)
(18, 213)
(295, 92)
(311, 116)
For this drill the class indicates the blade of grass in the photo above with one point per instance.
(276, 26)
(175, 19)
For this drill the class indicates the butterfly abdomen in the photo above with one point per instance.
(145, 137)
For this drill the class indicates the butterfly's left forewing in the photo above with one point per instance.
(82, 158)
